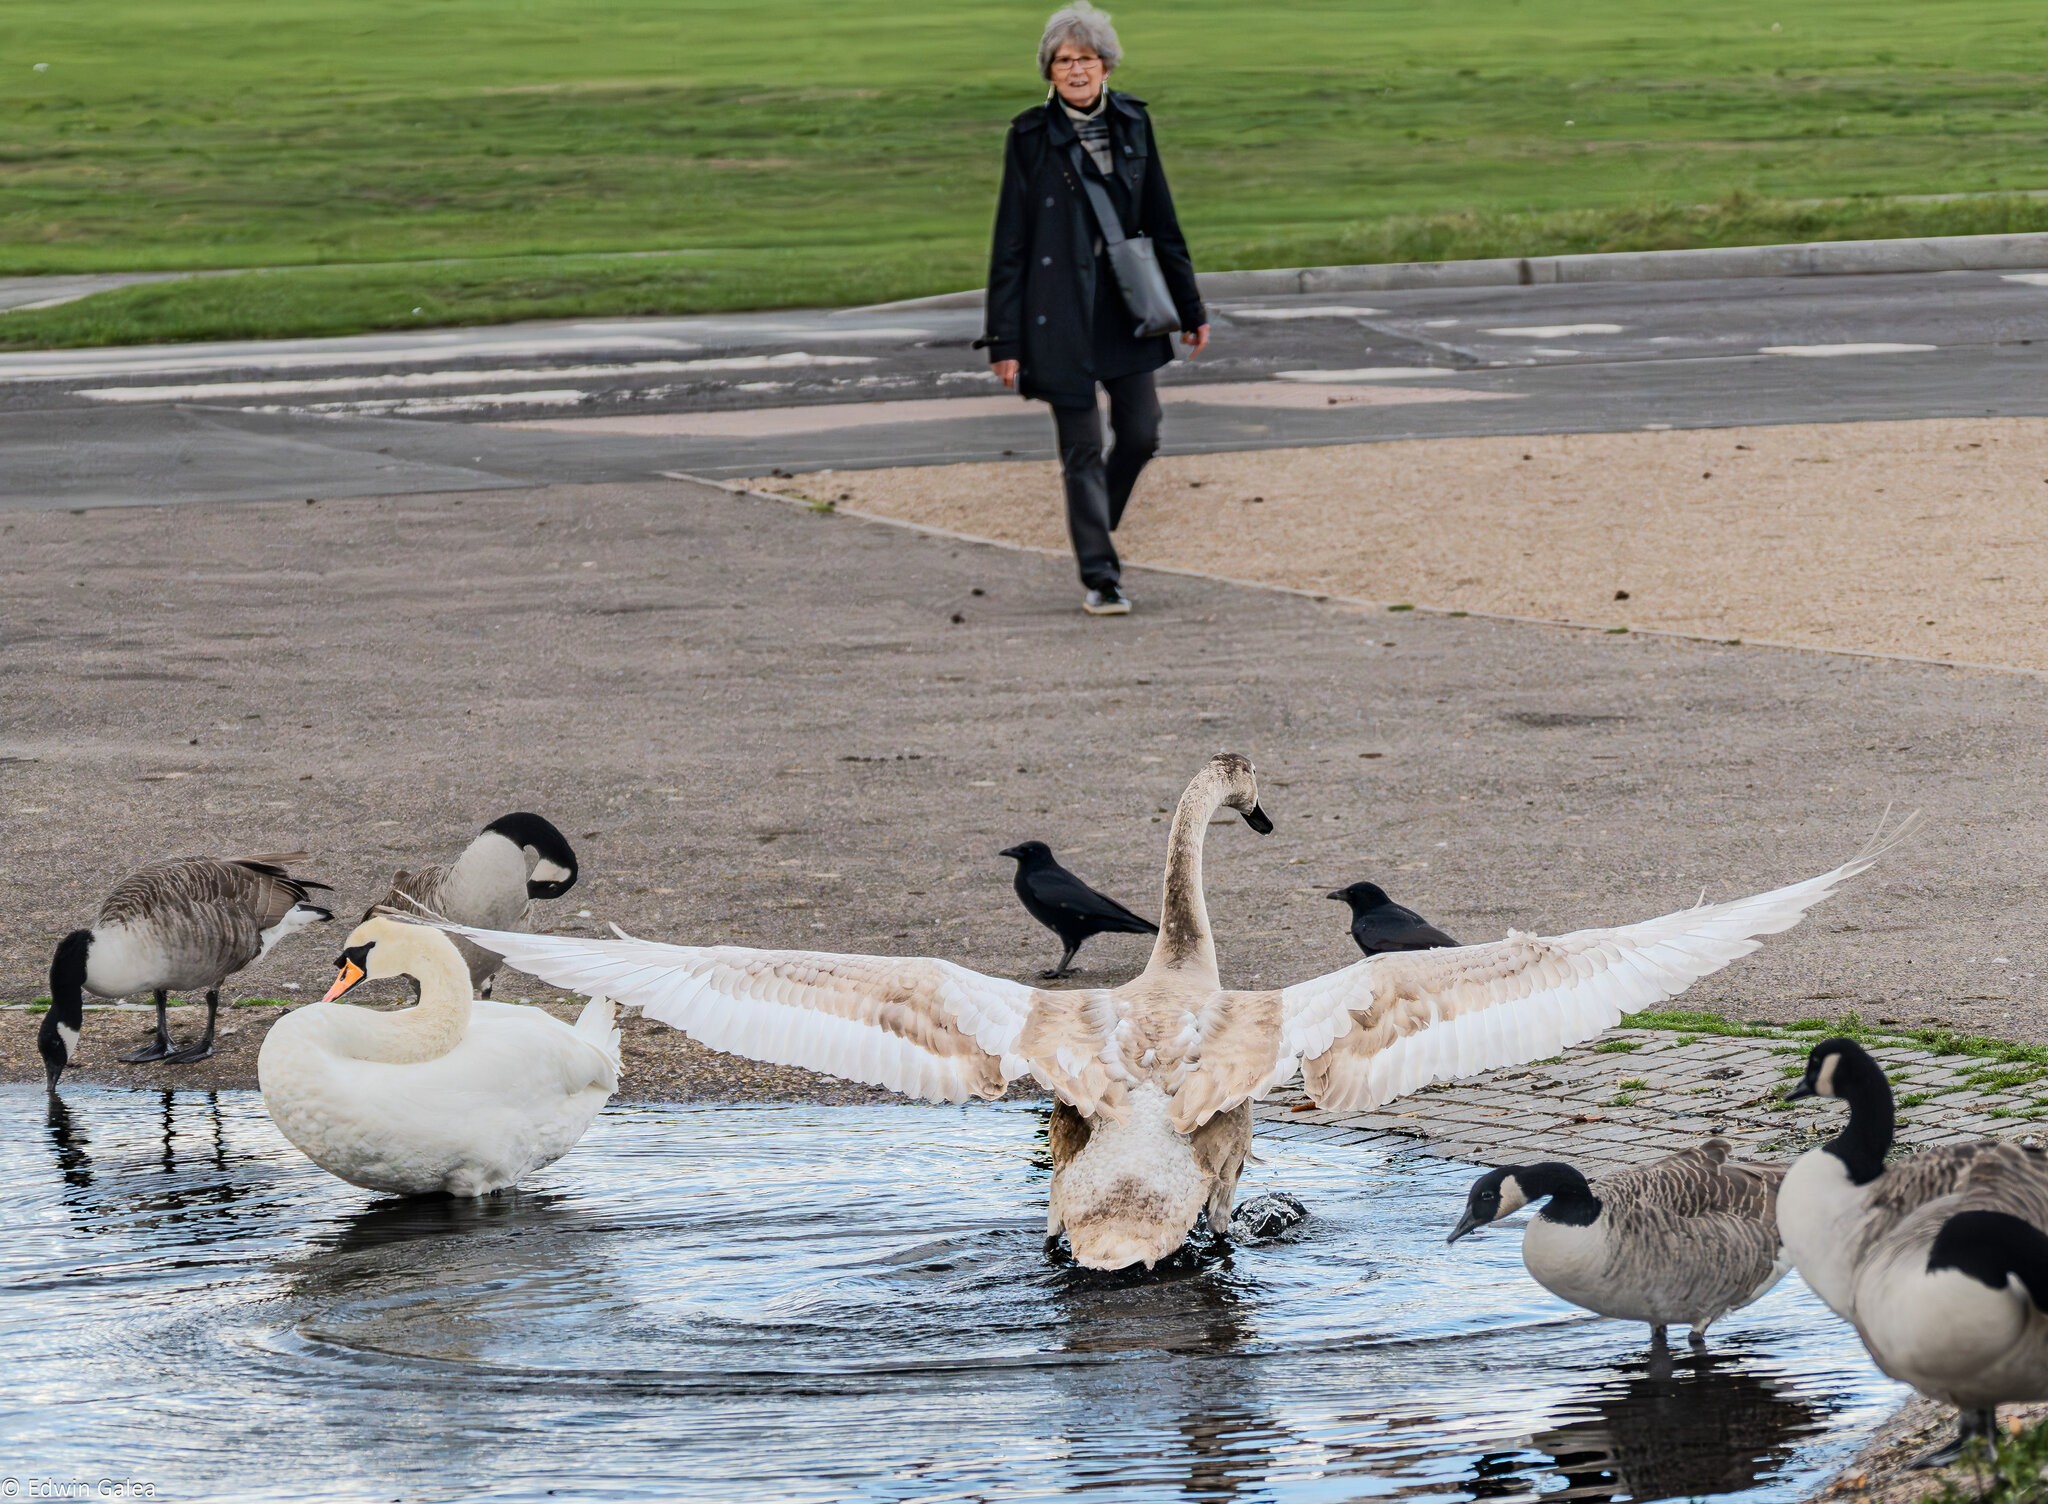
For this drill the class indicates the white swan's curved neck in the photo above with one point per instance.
(1184, 945)
(436, 1024)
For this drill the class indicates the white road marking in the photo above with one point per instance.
(1368, 373)
(1823, 352)
(753, 329)
(1553, 331)
(824, 417)
(70, 366)
(1439, 323)
(1319, 311)
(468, 402)
(306, 386)
(2032, 279)
(772, 422)
(1554, 350)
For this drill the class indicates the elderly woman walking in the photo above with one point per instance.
(1088, 275)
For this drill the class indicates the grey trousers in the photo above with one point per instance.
(1098, 484)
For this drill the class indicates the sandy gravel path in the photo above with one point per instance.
(772, 727)
(1921, 538)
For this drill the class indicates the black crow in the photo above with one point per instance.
(1379, 924)
(1067, 906)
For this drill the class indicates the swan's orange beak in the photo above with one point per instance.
(345, 980)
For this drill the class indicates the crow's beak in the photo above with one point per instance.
(1801, 1092)
(1466, 1223)
(1257, 819)
(345, 980)
(1009, 851)
(1338, 895)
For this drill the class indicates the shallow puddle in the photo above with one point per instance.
(799, 1303)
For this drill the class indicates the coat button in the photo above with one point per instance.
(1041, 318)
(1048, 203)
(1045, 261)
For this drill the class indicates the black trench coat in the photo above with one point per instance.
(1053, 305)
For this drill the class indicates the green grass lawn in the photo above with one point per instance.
(806, 153)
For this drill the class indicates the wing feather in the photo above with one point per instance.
(923, 1027)
(1391, 1024)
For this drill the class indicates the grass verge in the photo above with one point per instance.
(849, 152)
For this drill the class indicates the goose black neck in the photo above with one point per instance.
(66, 1017)
(1867, 1137)
(1992, 1248)
(67, 980)
(1572, 1201)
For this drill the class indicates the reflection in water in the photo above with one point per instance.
(1698, 1425)
(74, 1164)
(763, 1303)
(1224, 1441)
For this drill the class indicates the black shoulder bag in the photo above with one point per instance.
(1132, 258)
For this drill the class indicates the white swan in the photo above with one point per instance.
(452, 1094)
(1154, 1079)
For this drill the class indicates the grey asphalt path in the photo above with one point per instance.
(423, 411)
(774, 727)
(49, 291)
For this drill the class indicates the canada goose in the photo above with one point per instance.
(174, 926)
(1687, 1238)
(1155, 1078)
(1380, 925)
(1067, 906)
(449, 1095)
(1842, 1197)
(1954, 1301)
(515, 860)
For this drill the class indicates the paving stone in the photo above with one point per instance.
(1731, 1086)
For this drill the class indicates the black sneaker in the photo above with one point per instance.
(1109, 601)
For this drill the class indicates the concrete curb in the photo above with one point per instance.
(1818, 258)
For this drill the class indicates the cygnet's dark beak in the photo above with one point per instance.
(1466, 1223)
(1802, 1091)
(1257, 819)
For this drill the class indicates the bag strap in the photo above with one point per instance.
(1098, 199)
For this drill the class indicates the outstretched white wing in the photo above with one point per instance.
(1391, 1024)
(926, 1028)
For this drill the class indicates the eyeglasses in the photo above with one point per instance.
(1072, 63)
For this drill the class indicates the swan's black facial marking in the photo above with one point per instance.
(351, 968)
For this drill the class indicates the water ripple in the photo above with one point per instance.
(792, 1303)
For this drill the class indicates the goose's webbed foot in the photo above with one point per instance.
(1971, 1425)
(158, 1048)
(204, 1046)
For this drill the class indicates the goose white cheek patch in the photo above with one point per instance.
(70, 1037)
(1511, 1198)
(545, 871)
(1824, 1083)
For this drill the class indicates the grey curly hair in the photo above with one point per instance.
(1082, 25)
